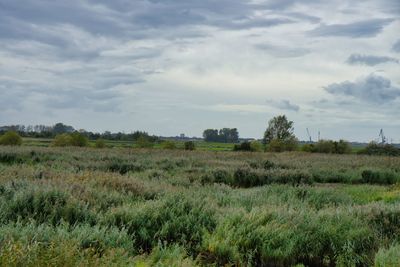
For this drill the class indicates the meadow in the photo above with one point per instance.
(124, 206)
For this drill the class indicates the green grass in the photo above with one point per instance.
(157, 207)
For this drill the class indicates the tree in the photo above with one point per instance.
(279, 135)
(279, 128)
(225, 135)
(60, 128)
(211, 135)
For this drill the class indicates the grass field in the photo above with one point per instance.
(200, 145)
(137, 207)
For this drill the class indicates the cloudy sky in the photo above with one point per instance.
(181, 66)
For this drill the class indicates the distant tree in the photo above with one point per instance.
(10, 138)
(279, 128)
(279, 135)
(224, 135)
(60, 128)
(211, 135)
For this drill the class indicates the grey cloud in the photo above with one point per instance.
(281, 51)
(371, 89)
(369, 60)
(359, 29)
(284, 104)
(396, 46)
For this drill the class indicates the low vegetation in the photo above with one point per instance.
(84, 206)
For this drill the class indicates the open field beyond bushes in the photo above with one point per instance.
(133, 207)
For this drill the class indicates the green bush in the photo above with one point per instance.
(283, 238)
(78, 139)
(62, 140)
(189, 145)
(73, 139)
(379, 177)
(42, 206)
(168, 145)
(277, 145)
(244, 146)
(10, 138)
(144, 142)
(174, 220)
(380, 149)
(100, 143)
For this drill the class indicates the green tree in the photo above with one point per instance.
(279, 135)
(11, 138)
(279, 128)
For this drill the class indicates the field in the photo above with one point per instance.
(137, 207)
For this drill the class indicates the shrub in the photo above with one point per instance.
(189, 145)
(380, 149)
(100, 143)
(244, 146)
(378, 177)
(176, 219)
(277, 145)
(309, 148)
(325, 146)
(62, 140)
(43, 206)
(283, 238)
(73, 139)
(246, 177)
(124, 167)
(144, 142)
(10, 138)
(256, 146)
(78, 139)
(168, 145)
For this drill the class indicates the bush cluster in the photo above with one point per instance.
(70, 139)
(380, 149)
(10, 138)
(328, 146)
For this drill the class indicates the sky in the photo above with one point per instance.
(182, 66)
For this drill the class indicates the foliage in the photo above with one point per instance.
(328, 146)
(189, 145)
(144, 142)
(100, 143)
(62, 140)
(279, 128)
(276, 145)
(168, 144)
(389, 257)
(72, 139)
(124, 207)
(380, 149)
(224, 135)
(10, 138)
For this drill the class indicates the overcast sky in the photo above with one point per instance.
(181, 66)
